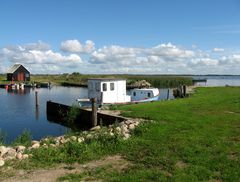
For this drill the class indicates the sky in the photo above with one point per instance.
(121, 36)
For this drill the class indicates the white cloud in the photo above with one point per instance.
(141, 60)
(39, 55)
(171, 51)
(41, 46)
(75, 46)
(218, 50)
(160, 59)
(115, 54)
(233, 59)
(204, 62)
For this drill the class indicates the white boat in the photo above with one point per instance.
(84, 103)
(113, 91)
(15, 86)
(145, 95)
(21, 86)
(108, 91)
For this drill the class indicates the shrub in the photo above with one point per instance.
(24, 139)
(73, 114)
(2, 137)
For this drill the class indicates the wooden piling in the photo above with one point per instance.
(168, 94)
(36, 98)
(94, 112)
(184, 90)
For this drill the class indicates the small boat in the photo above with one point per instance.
(43, 84)
(109, 91)
(144, 95)
(84, 103)
(15, 86)
(106, 91)
(21, 86)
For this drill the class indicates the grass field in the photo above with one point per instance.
(192, 139)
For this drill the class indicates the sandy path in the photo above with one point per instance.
(50, 175)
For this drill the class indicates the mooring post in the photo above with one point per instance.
(101, 100)
(168, 94)
(184, 90)
(181, 91)
(94, 112)
(36, 98)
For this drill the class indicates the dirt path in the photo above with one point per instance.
(50, 175)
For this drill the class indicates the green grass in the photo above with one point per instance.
(192, 139)
(2, 137)
(24, 139)
(202, 132)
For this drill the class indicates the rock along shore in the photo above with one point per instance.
(122, 129)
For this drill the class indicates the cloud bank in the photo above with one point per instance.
(74, 56)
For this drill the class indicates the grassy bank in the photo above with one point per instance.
(192, 139)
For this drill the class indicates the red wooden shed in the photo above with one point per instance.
(18, 73)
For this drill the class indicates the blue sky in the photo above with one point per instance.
(127, 36)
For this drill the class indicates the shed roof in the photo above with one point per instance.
(15, 67)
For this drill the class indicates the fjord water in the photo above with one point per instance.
(18, 111)
(213, 80)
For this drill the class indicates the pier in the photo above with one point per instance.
(17, 86)
(59, 113)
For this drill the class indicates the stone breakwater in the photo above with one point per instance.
(122, 129)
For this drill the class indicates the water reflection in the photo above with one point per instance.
(18, 91)
(18, 110)
(37, 112)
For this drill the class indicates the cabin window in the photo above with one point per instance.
(27, 75)
(104, 87)
(97, 87)
(134, 93)
(111, 86)
(149, 94)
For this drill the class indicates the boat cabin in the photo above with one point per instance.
(108, 91)
(147, 94)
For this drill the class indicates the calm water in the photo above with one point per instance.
(220, 80)
(18, 111)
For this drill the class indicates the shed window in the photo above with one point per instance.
(104, 87)
(111, 86)
(134, 93)
(27, 75)
(149, 94)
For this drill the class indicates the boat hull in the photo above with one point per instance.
(156, 98)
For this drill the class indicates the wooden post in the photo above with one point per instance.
(168, 92)
(101, 100)
(181, 91)
(36, 98)
(94, 112)
(184, 90)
